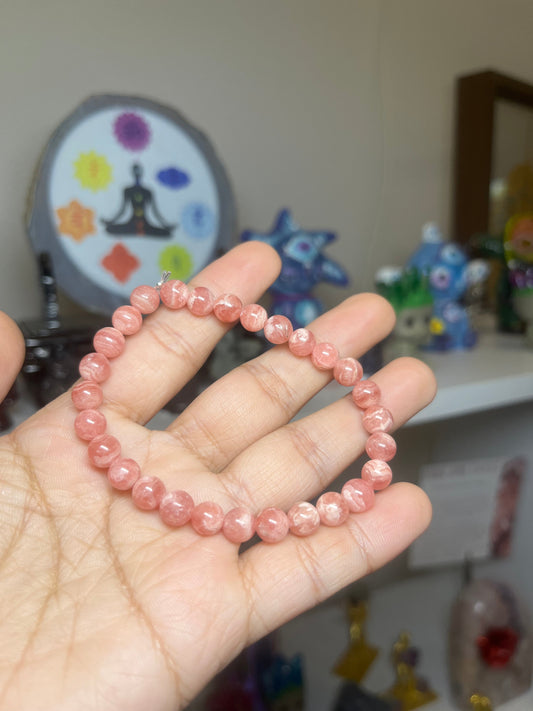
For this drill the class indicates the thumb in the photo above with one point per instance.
(11, 353)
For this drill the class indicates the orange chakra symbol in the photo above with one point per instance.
(121, 263)
(76, 221)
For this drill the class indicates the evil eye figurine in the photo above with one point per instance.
(450, 273)
(303, 267)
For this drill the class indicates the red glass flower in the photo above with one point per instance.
(497, 646)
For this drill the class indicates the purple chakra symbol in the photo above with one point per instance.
(132, 131)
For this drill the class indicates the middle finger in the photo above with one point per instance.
(265, 393)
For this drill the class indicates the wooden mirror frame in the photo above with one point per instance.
(474, 132)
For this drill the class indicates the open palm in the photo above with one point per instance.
(104, 607)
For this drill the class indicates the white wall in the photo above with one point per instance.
(342, 110)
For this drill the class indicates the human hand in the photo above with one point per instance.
(103, 606)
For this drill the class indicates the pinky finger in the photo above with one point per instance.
(285, 579)
(11, 353)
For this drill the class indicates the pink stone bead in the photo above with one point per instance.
(347, 371)
(239, 525)
(123, 473)
(200, 301)
(301, 342)
(89, 424)
(103, 450)
(147, 493)
(87, 395)
(127, 319)
(174, 294)
(366, 393)
(381, 445)
(377, 473)
(207, 518)
(176, 508)
(109, 342)
(359, 495)
(332, 509)
(95, 366)
(377, 418)
(324, 356)
(253, 317)
(277, 329)
(272, 525)
(227, 308)
(304, 519)
(145, 298)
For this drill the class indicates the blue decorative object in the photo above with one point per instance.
(450, 273)
(173, 178)
(198, 220)
(303, 267)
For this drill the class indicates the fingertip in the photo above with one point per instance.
(12, 350)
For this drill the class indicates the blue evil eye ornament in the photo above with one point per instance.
(303, 266)
(449, 273)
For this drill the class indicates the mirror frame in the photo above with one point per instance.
(476, 96)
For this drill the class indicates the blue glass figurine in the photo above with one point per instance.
(450, 273)
(303, 266)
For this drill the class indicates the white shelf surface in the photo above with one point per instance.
(497, 372)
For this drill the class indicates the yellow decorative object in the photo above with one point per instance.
(176, 260)
(76, 221)
(411, 691)
(518, 238)
(436, 326)
(93, 171)
(480, 703)
(355, 662)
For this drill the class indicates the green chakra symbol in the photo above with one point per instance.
(176, 260)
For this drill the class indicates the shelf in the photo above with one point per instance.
(496, 373)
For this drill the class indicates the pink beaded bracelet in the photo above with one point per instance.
(177, 508)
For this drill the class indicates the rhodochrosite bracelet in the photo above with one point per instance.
(177, 508)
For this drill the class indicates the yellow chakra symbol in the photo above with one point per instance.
(176, 260)
(76, 221)
(93, 171)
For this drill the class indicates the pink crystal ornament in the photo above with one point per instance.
(272, 525)
(127, 319)
(301, 342)
(89, 424)
(123, 473)
(239, 525)
(147, 493)
(177, 508)
(103, 450)
(227, 308)
(377, 474)
(253, 317)
(207, 518)
(109, 341)
(277, 329)
(324, 356)
(95, 366)
(304, 519)
(332, 509)
(200, 301)
(381, 445)
(174, 294)
(359, 495)
(145, 298)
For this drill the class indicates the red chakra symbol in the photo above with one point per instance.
(121, 263)
(497, 646)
